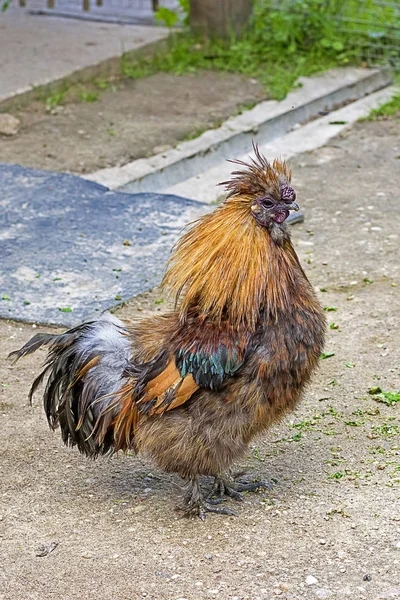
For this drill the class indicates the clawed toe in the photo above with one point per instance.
(194, 505)
(207, 507)
(222, 487)
(252, 486)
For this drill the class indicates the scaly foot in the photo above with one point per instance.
(194, 505)
(223, 486)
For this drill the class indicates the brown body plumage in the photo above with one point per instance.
(192, 388)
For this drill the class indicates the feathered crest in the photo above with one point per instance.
(260, 176)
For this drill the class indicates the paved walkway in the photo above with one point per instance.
(38, 49)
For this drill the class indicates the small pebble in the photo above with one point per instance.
(367, 577)
(323, 593)
(311, 580)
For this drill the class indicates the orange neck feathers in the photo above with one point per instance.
(229, 268)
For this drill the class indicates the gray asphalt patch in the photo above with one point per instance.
(71, 248)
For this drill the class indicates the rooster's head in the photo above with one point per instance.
(265, 188)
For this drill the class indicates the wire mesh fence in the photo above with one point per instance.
(370, 27)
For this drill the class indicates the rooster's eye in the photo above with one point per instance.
(267, 203)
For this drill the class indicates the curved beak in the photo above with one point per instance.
(293, 206)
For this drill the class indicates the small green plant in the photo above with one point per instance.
(326, 355)
(257, 455)
(167, 16)
(194, 134)
(170, 17)
(55, 99)
(387, 429)
(388, 398)
(390, 109)
(338, 475)
(88, 95)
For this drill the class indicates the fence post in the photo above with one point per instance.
(219, 18)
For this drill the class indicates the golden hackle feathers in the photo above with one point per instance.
(227, 265)
(230, 268)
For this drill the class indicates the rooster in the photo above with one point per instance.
(193, 387)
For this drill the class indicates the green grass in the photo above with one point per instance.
(186, 54)
(303, 38)
(88, 95)
(390, 109)
(67, 92)
(388, 398)
(280, 45)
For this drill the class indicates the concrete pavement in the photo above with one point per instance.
(36, 50)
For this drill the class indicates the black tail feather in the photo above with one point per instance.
(85, 368)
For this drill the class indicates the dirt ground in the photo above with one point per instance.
(331, 526)
(130, 119)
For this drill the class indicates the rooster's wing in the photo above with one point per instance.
(204, 356)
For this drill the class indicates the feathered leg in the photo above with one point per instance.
(195, 505)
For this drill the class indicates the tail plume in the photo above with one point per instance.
(86, 370)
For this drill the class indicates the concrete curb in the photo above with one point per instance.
(267, 121)
(204, 187)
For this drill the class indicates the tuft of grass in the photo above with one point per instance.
(390, 109)
(70, 92)
(338, 475)
(387, 429)
(194, 134)
(88, 95)
(56, 98)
